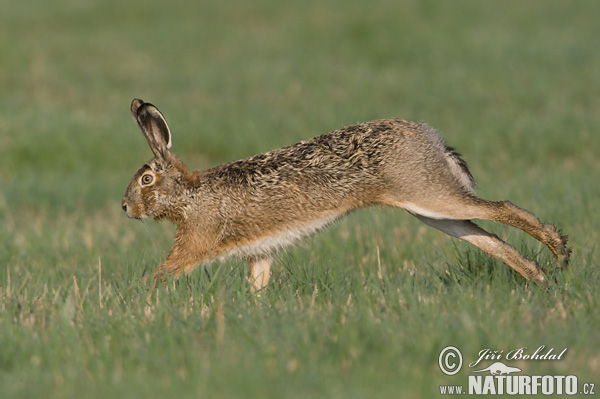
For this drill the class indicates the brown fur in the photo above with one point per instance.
(252, 207)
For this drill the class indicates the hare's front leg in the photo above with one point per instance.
(178, 262)
(259, 273)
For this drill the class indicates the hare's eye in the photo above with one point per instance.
(147, 179)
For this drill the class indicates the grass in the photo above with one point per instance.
(510, 85)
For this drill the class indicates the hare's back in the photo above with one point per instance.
(345, 154)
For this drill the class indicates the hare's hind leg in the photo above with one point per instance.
(508, 213)
(259, 273)
(467, 207)
(490, 243)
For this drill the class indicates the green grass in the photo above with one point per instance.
(511, 85)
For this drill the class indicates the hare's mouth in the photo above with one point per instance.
(136, 217)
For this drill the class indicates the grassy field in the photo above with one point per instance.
(512, 85)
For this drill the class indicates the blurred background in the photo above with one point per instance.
(512, 85)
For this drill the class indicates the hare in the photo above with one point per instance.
(255, 206)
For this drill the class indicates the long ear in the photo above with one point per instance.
(154, 126)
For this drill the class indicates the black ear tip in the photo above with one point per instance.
(135, 105)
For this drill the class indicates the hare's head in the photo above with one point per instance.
(155, 189)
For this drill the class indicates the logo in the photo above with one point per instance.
(502, 378)
(498, 368)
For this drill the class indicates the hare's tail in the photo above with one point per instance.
(460, 170)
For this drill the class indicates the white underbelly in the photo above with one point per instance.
(283, 238)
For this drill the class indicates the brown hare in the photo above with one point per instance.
(255, 206)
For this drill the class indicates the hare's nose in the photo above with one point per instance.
(124, 206)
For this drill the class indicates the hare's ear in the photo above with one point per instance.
(154, 126)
